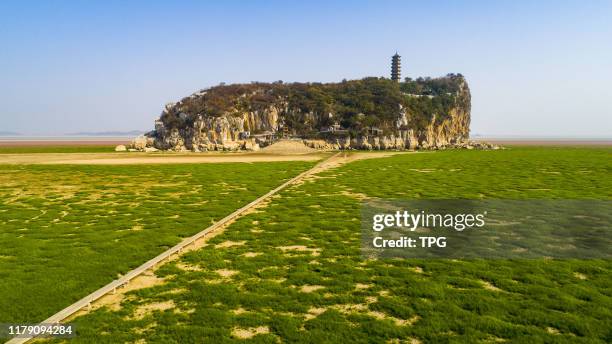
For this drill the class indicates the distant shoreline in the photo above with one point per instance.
(63, 140)
(16, 141)
(537, 141)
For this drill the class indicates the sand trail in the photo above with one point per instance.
(152, 158)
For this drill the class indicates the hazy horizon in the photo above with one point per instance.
(535, 70)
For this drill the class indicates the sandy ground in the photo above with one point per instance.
(287, 150)
(289, 146)
(346, 157)
(183, 158)
(150, 158)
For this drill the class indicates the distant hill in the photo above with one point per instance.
(107, 133)
(9, 133)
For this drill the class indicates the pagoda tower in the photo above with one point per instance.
(396, 67)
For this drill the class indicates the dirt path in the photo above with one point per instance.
(347, 157)
(151, 158)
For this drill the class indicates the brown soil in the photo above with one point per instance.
(226, 273)
(310, 288)
(300, 248)
(289, 147)
(149, 158)
(146, 309)
(246, 333)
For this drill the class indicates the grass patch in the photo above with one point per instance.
(67, 230)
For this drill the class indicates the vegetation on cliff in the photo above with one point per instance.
(354, 105)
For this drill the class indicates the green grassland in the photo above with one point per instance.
(67, 230)
(293, 270)
(52, 148)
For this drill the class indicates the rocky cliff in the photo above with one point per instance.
(371, 113)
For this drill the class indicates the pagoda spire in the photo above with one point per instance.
(396, 67)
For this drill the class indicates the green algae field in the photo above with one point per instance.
(66, 230)
(292, 271)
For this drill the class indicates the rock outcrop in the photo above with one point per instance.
(367, 114)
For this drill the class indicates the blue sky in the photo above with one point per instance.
(535, 68)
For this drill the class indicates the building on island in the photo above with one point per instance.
(396, 71)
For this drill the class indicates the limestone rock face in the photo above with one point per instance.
(262, 114)
(139, 143)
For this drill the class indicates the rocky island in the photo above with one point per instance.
(368, 114)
